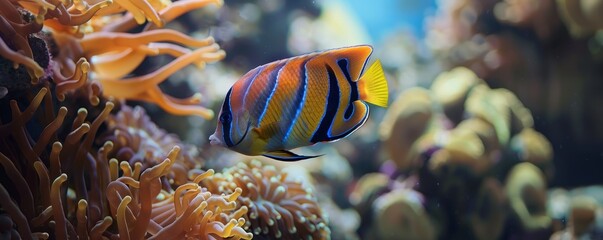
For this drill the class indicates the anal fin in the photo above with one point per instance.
(284, 155)
(342, 127)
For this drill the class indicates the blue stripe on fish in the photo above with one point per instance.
(322, 132)
(300, 97)
(250, 82)
(273, 80)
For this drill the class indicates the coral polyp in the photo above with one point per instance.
(278, 207)
(137, 139)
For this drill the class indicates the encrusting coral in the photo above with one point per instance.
(278, 207)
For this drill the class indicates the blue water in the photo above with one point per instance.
(381, 17)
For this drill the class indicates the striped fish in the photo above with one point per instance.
(299, 101)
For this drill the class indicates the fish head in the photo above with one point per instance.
(232, 128)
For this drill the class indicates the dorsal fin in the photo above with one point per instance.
(356, 58)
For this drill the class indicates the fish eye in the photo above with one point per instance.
(225, 117)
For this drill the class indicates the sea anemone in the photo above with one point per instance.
(278, 207)
(142, 209)
(72, 177)
(137, 139)
(113, 54)
(92, 56)
(16, 28)
(61, 149)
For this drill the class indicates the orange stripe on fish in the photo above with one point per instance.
(300, 101)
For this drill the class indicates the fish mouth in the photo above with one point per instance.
(213, 140)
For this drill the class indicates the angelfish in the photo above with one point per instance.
(299, 101)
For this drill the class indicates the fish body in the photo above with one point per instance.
(299, 101)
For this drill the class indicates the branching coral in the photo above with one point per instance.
(278, 207)
(137, 139)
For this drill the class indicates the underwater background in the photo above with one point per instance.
(493, 130)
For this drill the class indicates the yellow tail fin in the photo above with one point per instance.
(372, 86)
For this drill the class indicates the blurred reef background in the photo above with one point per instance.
(493, 130)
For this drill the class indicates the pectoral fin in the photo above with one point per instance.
(284, 155)
(267, 131)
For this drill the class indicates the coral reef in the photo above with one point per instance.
(278, 207)
(581, 17)
(71, 176)
(140, 207)
(136, 138)
(469, 148)
(72, 169)
(82, 42)
(452, 147)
